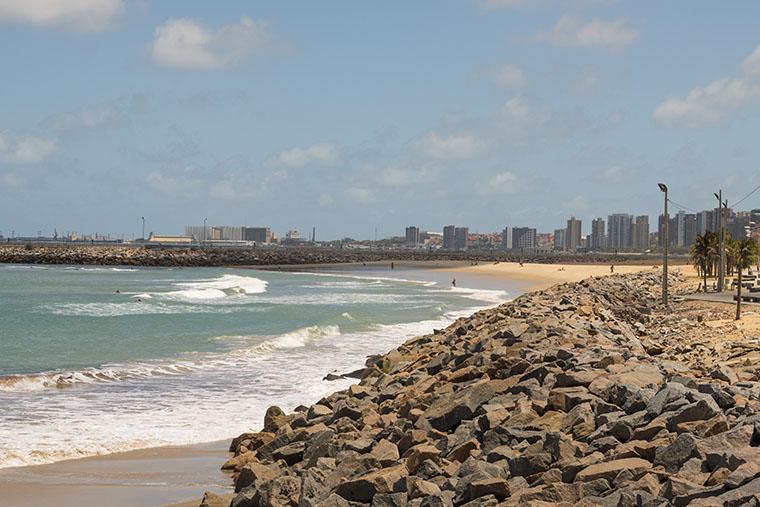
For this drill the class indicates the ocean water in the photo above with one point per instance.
(95, 360)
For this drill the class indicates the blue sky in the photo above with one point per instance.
(349, 116)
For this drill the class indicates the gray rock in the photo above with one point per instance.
(676, 454)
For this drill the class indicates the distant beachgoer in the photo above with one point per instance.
(118, 291)
(612, 268)
(139, 300)
(521, 265)
(454, 282)
(392, 265)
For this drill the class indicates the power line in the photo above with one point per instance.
(746, 196)
(679, 205)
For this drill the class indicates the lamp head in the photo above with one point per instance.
(663, 187)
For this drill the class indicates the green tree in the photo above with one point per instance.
(703, 253)
(744, 256)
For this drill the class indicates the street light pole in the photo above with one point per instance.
(721, 242)
(143, 229)
(205, 236)
(665, 240)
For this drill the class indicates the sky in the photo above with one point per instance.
(350, 116)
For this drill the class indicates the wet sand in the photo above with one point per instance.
(156, 476)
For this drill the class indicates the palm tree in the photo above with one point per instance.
(703, 253)
(745, 255)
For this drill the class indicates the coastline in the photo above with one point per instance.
(197, 467)
(588, 393)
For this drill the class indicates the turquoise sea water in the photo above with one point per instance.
(100, 359)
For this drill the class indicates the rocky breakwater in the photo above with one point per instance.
(261, 256)
(551, 399)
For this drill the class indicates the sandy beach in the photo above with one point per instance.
(168, 475)
(155, 476)
(542, 276)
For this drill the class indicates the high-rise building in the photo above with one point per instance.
(412, 236)
(619, 228)
(506, 238)
(545, 241)
(524, 238)
(461, 238)
(448, 238)
(661, 238)
(598, 240)
(560, 236)
(573, 234)
(640, 234)
(257, 234)
(685, 229)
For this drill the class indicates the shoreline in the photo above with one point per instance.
(588, 393)
(120, 479)
(35, 484)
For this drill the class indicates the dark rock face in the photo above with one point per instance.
(551, 399)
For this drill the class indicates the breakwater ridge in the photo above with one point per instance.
(583, 394)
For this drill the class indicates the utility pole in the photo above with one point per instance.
(205, 236)
(721, 242)
(143, 229)
(665, 241)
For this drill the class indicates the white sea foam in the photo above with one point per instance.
(488, 295)
(131, 307)
(426, 283)
(208, 397)
(217, 288)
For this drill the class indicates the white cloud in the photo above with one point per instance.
(520, 4)
(12, 179)
(708, 104)
(577, 203)
(187, 44)
(360, 195)
(107, 114)
(504, 4)
(505, 182)
(73, 15)
(87, 117)
(751, 64)
(231, 191)
(321, 153)
(506, 75)
(25, 149)
(609, 35)
(396, 177)
(166, 184)
(451, 147)
(715, 101)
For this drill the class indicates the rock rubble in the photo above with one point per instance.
(578, 395)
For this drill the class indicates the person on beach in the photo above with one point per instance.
(392, 265)
(612, 268)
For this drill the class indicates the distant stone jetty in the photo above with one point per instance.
(267, 256)
(583, 394)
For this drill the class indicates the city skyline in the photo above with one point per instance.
(475, 112)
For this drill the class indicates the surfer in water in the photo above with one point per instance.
(454, 282)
